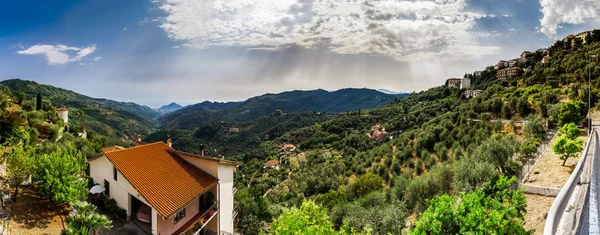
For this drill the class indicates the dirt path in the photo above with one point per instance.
(537, 210)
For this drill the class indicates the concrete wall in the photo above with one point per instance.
(211, 167)
(64, 115)
(102, 169)
(226, 197)
(539, 190)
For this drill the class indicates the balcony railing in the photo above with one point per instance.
(234, 191)
(196, 224)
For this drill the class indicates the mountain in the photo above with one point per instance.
(117, 120)
(169, 108)
(350, 99)
(386, 91)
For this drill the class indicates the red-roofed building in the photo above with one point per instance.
(184, 192)
(272, 164)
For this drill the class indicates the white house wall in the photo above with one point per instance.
(226, 197)
(102, 169)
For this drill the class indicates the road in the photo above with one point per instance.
(588, 222)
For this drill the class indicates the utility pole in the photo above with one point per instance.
(590, 94)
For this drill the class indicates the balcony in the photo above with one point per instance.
(199, 221)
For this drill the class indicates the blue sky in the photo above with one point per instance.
(187, 51)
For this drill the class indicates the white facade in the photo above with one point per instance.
(64, 115)
(465, 83)
(101, 169)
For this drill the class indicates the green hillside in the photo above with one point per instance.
(439, 143)
(119, 121)
(289, 102)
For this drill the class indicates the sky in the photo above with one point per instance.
(154, 52)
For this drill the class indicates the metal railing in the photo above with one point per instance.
(560, 203)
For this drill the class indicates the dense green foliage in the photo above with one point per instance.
(493, 209)
(84, 220)
(60, 175)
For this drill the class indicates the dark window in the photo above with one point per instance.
(106, 188)
(115, 173)
(180, 214)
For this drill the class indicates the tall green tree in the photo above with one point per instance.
(84, 220)
(38, 102)
(20, 165)
(20, 97)
(60, 176)
(570, 130)
(571, 112)
(492, 209)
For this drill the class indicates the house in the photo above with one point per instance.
(272, 164)
(278, 112)
(465, 82)
(453, 82)
(63, 113)
(502, 64)
(477, 73)
(546, 59)
(234, 129)
(378, 133)
(472, 93)
(174, 191)
(525, 54)
(508, 73)
(289, 148)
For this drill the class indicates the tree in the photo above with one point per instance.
(535, 127)
(20, 165)
(20, 97)
(84, 220)
(310, 218)
(38, 102)
(566, 147)
(571, 112)
(497, 150)
(60, 176)
(528, 148)
(493, 209)
(80, 113)
(366, 183)
(570, 130)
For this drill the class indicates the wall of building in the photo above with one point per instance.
(169, 226)
(211, 167)
(102, 169)
(64, 115)
(226, 197)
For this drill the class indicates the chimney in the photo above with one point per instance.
(170, 143)
(202, 150)
(139, 138)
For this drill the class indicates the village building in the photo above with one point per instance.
(63, 113)
(271, 164)
(509, 73)
(453, 82)
(378, 133)
(546, 59)
(234, 129)
(166, 191)
(477, 73)
(289, 147)
(472, 93)
(465, 82)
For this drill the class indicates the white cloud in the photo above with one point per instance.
(58, 54)
(558, 12)
(98, 58)
(405, 30)
(124, 29)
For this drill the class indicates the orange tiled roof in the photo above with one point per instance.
(164, 179)
(272, 163)
(289, 146)
(62, 109)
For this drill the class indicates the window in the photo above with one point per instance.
(180, 214)
(106, 188)
(115, 173)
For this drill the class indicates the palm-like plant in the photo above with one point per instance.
(84, 220)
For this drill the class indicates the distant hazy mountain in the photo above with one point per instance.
(118, 120)
(386, 91)
(291, 101)
(169, 108)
